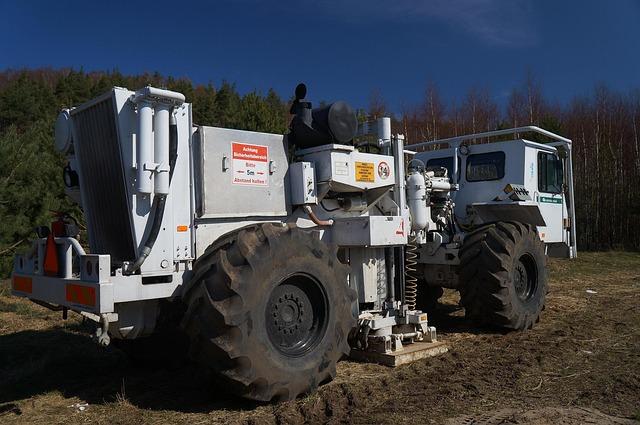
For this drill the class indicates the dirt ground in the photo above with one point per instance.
(580, 364)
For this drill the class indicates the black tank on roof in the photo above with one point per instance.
(335, 123)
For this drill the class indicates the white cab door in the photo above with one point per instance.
(549, 196)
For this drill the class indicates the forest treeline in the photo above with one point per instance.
(604, 126)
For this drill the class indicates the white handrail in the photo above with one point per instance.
(456, 140)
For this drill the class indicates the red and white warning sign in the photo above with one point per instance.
(250, 164)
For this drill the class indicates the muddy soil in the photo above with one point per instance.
(580, 364)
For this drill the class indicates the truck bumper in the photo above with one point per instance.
(92, 297)
(75, 294)
(85, 283)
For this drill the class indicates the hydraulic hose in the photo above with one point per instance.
(173, 144)
(159, 202)
(315, 218)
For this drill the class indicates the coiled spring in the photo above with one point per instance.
(411, 279)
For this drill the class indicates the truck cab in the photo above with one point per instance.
(485, 170)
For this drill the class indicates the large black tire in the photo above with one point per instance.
(269, 312)
(503, 277)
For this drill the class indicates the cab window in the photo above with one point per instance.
(550, 173)
(445, 162)
(485, 166)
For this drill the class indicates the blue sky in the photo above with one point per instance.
(342, 49)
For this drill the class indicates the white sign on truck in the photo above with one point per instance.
(250, 164)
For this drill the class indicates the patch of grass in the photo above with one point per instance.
(121, 396)
(8, 307)
(593, 264)
(22, 308)
(5, 290)
(28, 310)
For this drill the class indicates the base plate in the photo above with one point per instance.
(410, 353)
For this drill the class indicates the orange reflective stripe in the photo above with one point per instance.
(79, 294)
(22, 284)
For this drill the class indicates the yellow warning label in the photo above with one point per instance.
(364, 172)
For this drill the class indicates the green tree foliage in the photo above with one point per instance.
(30, 186)
(227, 106)
(24, 101)
(31, 170)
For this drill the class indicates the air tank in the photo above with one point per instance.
(417, 200)
(337, 120)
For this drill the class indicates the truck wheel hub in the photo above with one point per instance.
(288, 310)
(524, 278)
(296, 315)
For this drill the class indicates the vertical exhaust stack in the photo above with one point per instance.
(384, 130)
(152, 147)
(144, 148)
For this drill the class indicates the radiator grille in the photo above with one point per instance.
(105, 195)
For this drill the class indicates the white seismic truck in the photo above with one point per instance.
(270, 257)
